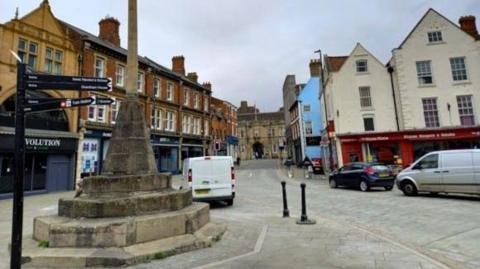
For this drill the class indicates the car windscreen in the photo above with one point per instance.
(380, 167)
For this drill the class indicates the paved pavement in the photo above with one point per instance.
(378, 229)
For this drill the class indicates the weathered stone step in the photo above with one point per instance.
(34, 256)
(119, 232)
(133, 204)
(105, 184)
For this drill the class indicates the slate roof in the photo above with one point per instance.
(145, 60)
(335, 62)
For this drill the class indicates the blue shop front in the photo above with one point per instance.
(166, 153)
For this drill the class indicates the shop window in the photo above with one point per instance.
(424, 72)
(430, 112)
(459, 70)
(465, 110)
(368, 124)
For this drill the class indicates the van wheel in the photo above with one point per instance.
(364, 186)
(389, 188)
(409, 189)
(229, 202)
(333, 183)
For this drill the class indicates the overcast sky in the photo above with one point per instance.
(245, 48)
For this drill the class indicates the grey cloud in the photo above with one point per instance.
(247, 47)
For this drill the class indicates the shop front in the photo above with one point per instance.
(166, 153)
(403, 148)
(49, 161)
(192, 148)
(94, 150)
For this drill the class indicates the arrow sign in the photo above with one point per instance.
(44, 82)
(35, 105)
(36, 78)
(47, 105)
(103, 101)
(69, 86)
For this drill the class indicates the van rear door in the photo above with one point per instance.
(211, 177)
(457, 172)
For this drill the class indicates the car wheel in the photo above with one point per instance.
(409, 189)
(229, 202)
(364, 185)
(333, 183)
(389, 188)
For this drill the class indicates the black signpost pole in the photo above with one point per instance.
(19, 172)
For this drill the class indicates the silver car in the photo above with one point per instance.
(448, 171)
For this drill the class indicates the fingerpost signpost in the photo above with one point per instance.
(28, 80)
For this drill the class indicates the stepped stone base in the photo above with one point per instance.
(99, 185)
(34, 256)
(128, 204)
(119, 232)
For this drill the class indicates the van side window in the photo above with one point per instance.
(428, 162)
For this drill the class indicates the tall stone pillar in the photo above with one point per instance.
(129, 205)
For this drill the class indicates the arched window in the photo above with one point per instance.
(49, 120)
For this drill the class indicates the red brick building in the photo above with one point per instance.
(224, 128)
(176, 105)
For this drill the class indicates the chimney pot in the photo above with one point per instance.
(207, 85)
(467, 24)
(110, 30)
(193, 76)
(178, 65)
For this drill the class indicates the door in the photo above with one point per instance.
(476, 169)
(211, 177)
(355, 175)
(341, 174)
(457, 172)
(428, 174)
(59, 173)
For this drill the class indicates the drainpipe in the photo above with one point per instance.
(390, 71)
(302, 131)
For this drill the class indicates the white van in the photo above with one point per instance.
(211, 178)
(448, 171)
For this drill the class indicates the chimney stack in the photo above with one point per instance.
(109, 30)
(193, 76)
(178, 64)
(315, 67)
(468, 25)
(207, 85)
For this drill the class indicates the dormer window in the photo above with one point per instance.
(435, 37)
(362, 66)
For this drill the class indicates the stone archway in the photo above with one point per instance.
(49, 120)
(257, 149)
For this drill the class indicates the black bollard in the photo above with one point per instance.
(286, 213)
(304, 218)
